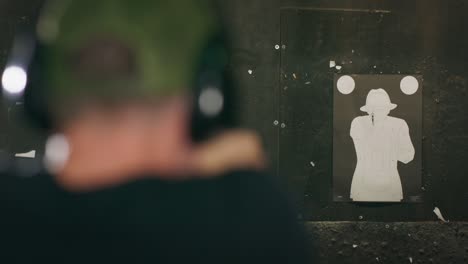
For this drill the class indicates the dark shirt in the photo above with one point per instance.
(241, 217)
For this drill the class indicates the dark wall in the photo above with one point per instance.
(426, 38)
(410, 37)
(16, 135)
(435, 47)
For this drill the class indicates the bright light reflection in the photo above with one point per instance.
(211, 101)
(14, 79)
(57, 153)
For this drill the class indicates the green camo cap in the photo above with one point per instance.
(122, 49)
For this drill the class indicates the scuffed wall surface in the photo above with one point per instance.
(440, 29)
(254, 27)
(390, 42)
(371, 242)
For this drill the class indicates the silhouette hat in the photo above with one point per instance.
(378, 98)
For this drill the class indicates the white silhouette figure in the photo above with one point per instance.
(380, 142)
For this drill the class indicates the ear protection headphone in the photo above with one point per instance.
(212, 91)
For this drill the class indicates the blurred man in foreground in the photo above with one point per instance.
(141, 163)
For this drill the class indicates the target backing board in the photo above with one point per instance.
(377, 138)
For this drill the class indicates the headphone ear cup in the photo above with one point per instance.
(35, 98)
(213, 98)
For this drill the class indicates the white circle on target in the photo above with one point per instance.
(409, 85)
(346, 84)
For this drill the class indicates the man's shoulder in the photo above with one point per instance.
(358, 123)
(248, 175)
(397, 121)
(359, 119)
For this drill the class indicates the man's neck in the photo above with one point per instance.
(112, 148)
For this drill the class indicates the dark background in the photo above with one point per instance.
(423, 37)
(362, 41)
(347, 107)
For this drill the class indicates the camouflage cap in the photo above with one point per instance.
(109, 50)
